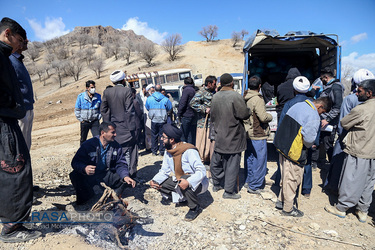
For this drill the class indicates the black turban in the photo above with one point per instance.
(172, 131)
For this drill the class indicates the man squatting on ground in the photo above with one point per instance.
(87, 111)
(26, 123)
(228, 111)
(100, 159)
(358, 173)
(16, 182)
(295, 134)
(188, 177)
(257, 130)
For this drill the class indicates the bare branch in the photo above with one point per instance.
(172, 46)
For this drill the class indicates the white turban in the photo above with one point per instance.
(117, 76)
(149, 87)
(301, 84)
(361, 75)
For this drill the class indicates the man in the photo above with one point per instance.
(158, 107)
(301, 87)
(295, 134)
(334, 89)
(16, 182)
(87, 111)
(100, 159)
(201, 104)
(189, 174)
(118, 107)
(186, 113)
(141, 98)
(285, 90)
(228, 111)
(358, 174)
(332, 182)
(26, 123)
(255, 161)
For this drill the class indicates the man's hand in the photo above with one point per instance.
(154, 185)
(183, 184)
(315, 87)
(90, 169)
(130, 181)
(324, 123)
(208, 110)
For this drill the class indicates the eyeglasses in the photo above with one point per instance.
(164, 137)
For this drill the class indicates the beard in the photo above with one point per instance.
(362, 98)
(168, 145)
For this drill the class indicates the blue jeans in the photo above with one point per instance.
(189, 129)
(156, 141)
(256, 163)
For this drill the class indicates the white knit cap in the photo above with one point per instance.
(301, 84)
(117, 76)
(361, 75)
(149, 87)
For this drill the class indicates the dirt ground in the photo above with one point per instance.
(251, 222)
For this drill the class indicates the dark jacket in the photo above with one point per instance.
(335, 91)
(88, 154)
(11, 99)
(184, 109)
(117, 107)
(228, 110)
(285, 91)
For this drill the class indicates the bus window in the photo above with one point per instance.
(183, 75)
(159, 79)
(172, 77)
(149, 81)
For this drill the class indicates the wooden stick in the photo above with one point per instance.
(310, 235)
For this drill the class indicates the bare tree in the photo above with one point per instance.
(347, 71)
(62, 53)
(209, 32)
(82, 40)
(33, 52)
(116, 49)
(37, 70)
(74, 67)
(108, 50)
(244, 33)
(236, 37)
(128, 48)
(89, 55)
(47, 69)
(49, 58)
(59, 67)
(172, 45)
(148, 52)
(97, 65)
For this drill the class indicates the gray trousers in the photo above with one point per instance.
(356, 183)
(227, 167)
(131, 156)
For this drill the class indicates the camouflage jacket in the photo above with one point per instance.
(200, 102)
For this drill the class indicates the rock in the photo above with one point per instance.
(50, 102)
(266, 195)
(332, 233)
(242, 227)
(314, 226)
(58, 102)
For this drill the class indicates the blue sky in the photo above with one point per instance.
(352, 21)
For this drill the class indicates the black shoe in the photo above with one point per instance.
(252, 191)
(36, 188)
(21, 234)
(193, 213)
(234, 196)
(181, 204)
(216, 188)
(155, 154)
(295, 213)
(279, 205)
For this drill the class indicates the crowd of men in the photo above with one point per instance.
(216, 123)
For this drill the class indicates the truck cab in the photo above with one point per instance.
(270, 56)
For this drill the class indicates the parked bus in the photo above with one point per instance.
(170, 77)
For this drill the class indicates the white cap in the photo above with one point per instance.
(301, 84)
(361, 75)
(117, 76)
(149, 87)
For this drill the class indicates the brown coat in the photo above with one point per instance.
(360, 123)
(257, 125)
(228, 110)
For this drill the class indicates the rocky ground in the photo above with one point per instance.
(249, 223)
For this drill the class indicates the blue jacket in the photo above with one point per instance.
(89, 152)
(158, 105)
(88, 109)
(24, 79)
